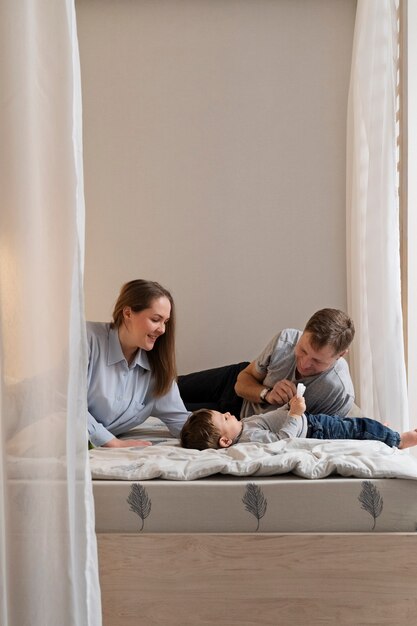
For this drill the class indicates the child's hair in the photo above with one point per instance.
(199, 432)
(331, 327)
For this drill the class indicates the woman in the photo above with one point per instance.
(131, 370)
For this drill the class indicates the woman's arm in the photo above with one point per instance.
(171, 411)
(100, 436)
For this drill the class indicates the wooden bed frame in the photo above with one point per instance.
(262, 579)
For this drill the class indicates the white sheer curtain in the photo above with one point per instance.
(48, 555)
(373, 254)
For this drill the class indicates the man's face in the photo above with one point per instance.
(311, 361)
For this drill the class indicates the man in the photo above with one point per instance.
(313, 357)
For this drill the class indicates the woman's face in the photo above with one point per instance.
(146, 326)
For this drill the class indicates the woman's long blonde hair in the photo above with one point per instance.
(138, 295)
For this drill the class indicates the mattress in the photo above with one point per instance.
(223, 503)
(274, 504)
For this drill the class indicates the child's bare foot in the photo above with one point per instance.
(408, 439)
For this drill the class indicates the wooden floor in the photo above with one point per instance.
(259, 579)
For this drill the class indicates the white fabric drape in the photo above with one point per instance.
(373, 254)
(48, 554)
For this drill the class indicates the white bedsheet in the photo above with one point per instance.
(308, 458)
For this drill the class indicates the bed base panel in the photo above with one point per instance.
(268, 579)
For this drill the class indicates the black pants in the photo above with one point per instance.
(212, 389)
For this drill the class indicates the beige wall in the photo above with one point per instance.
(214, 151)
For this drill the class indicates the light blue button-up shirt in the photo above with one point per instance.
(121, 396)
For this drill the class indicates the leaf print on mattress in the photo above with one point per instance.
(371, 500)
(139, 502)
(255, 501)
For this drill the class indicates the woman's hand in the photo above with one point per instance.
(126, 443)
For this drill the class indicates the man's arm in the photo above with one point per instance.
(249, 385)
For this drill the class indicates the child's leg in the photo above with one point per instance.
(334, 427)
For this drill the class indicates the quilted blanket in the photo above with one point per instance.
(308, 458)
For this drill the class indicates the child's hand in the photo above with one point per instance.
(297, 406)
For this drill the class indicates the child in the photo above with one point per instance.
(211, 429)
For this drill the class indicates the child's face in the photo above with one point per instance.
(228, 426)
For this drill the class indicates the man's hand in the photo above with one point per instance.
(297, 406)
(125, 443)
(281, 392)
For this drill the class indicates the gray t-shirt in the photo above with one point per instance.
(330, 392)
(273, 426)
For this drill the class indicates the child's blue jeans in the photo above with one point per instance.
(334, 427)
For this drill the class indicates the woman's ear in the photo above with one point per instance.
(225, 442)
(127, 312)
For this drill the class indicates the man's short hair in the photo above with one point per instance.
(199, 432)
(331, 327)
